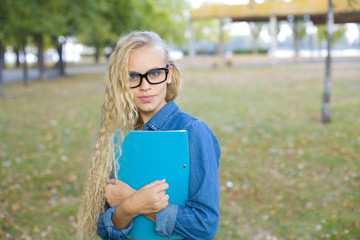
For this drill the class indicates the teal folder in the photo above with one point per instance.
(155, 155)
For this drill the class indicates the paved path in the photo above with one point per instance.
(262, 60)
(17, 74)
(205, 62)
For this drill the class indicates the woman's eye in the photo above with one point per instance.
(154, 74)
(133, 76)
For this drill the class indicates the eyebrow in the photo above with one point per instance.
(147, 70)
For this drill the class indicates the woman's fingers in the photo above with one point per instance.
(152, 197)
(164, 202)
(117, 191)
(109, 189)
(157, 182)
(110, 194)
(160, 187)
(166, 197)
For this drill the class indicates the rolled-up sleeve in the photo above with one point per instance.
(165, 220)
(199, 218)
(106, 229)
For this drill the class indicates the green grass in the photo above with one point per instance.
(293, 177)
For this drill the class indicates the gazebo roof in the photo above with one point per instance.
(315, 9)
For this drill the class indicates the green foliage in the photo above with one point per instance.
(94, 28)
(4, 8)
(94, 22)
(292, 177)
(209, 30)
(338, 34)
(301, 29)
(27, 19)
(167, 18)
(16, 29)
(120, 17)
(255, 29)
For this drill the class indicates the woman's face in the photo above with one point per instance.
(149, 98)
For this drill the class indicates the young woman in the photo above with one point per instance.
(141, 84)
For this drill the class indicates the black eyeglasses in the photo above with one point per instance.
(153, 76)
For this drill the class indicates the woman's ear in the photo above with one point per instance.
(170, 74)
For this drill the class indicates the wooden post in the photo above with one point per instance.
(192, 52)
(221, 48)
(273, 24)
(296, 37)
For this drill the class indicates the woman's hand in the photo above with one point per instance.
(149, 199)
(117, 191)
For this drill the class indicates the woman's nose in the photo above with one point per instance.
(145, 85)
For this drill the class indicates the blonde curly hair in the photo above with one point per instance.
(118, 113)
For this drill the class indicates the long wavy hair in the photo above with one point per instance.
(118, 113)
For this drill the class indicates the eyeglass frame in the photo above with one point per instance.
(150, 71)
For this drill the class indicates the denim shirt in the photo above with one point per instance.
(199, 218)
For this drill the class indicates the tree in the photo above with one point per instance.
(30, 19)
(39, 27)
(94, 27)
(338, 33)
(39, 20)
(299, 29)
(1, 66)
(18, 29)
(167, 18)
(95, 23)
(255, 29)
(66, 17)
(332, 34)
(206, 30)
(212, 30)
(3, 19)
(55, 19)
(103, 22)
(325, 110)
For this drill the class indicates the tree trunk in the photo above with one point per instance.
(41, 63)
(97, 53)
(2, 55)
(1, 68)
(254, 47)
(60, 64)
(327, 82)
(25, 67)
(17, 53)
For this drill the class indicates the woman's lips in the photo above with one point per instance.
(146, 98)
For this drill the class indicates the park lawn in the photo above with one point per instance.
(283, 174)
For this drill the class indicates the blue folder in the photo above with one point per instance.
(155, 155)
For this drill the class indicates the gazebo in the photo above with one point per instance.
(345, 11)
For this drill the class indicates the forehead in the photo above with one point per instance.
(145, 58)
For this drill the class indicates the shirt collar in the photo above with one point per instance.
(162, 117)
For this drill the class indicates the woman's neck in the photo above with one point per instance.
(139, 124)
(144, 118)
